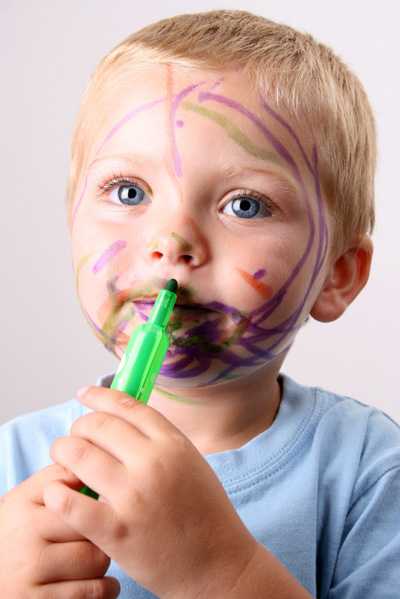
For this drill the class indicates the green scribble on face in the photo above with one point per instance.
(173, 326)
(175, 397)
(185, 245)
(233, 131)
(200, 341)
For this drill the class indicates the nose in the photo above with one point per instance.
(180, 244)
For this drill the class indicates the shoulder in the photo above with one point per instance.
(25, 440)
(361, 439)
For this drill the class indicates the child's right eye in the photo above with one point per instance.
(129, 192)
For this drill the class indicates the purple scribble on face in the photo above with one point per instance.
(260, 273)
(175, 105)
(194, 351)
(109, 253)
(254, 333)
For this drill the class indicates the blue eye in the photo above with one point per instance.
(130, 195)
(245, 206)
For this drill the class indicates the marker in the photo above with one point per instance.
(145, 353)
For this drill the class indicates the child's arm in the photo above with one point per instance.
(165, 517)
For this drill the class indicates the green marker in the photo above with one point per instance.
(145, 353)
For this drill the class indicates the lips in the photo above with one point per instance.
(185, 310)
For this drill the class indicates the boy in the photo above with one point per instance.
(237, 156)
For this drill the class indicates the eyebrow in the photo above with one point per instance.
(231, 172)
(228, 172)
(124, 157)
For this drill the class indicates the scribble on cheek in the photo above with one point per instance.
(108, 254)
(261, 288)
(259, 273)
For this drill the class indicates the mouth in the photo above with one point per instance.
(184, 310)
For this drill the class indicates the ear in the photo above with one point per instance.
(346, 278)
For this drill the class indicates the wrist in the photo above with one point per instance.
(219, 574)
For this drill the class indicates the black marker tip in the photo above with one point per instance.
(172, 285)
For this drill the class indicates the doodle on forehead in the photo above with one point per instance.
(233, 132)
(180, 123)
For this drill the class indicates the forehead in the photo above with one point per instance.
(172, 87)
(148, 105)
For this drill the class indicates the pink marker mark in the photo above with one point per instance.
(112, 251)
(177, 99)
(112, 132)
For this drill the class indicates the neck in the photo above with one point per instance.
(224, 416)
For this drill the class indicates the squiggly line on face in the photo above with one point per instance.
(233, 132)
(204, 334)
(110, 134)
(287, 327)
(109, 253)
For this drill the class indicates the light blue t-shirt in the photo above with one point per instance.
(320, 488)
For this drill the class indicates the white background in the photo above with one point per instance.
(48, 50)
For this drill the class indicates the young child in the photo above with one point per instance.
(237, 156)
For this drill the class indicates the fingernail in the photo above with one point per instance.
(81, 391)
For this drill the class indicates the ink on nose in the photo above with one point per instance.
(177, 251)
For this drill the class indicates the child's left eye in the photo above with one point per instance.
(249, 204)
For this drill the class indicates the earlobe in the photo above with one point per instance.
(345, 279)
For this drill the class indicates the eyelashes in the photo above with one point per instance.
(109, 183)
(246, 202)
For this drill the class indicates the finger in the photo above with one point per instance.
(95, 467)
(96, 521)
(78, 560)
(148, 420)
(52, 528)
(32, 487)
(107, 587)
(115, 436)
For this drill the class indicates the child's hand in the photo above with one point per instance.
(40, 555)
(165, 517)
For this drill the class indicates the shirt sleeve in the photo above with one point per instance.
(7, 451)
(368, 564)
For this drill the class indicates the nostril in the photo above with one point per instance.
(186, 258)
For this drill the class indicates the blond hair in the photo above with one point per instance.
(296, 73)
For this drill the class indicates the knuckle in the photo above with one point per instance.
(80, 450)
(126, 401)
(93, 421)
(100, 419)
(97, 589)
(66, 504)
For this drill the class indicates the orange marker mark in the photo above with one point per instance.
(261, 288)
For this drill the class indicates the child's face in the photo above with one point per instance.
(203, 183)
